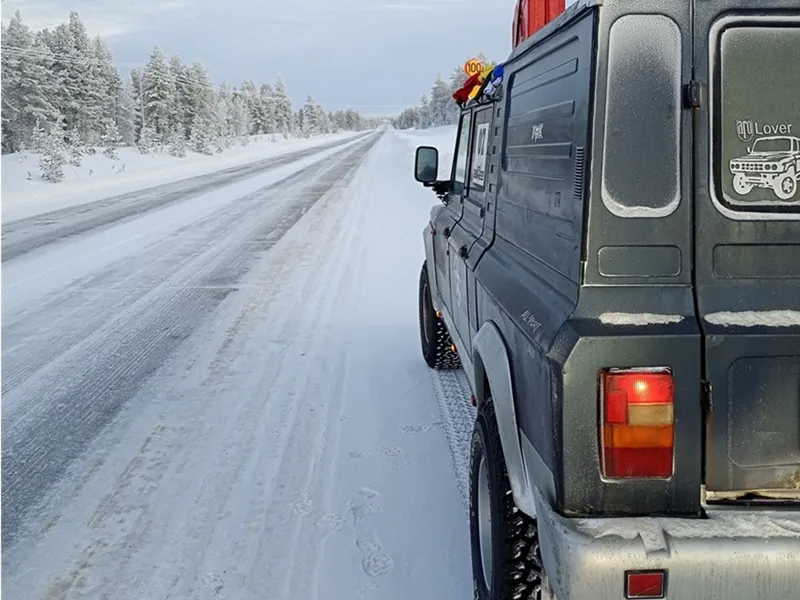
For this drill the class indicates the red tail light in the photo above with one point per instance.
(637, 428)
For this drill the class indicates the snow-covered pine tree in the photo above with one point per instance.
(240, 118)
(52, 159)
(159, 96)
(324, 123)
(28, 88)
(201, 139)
(202, 97)
(149, 140)
(440, 109)
(284, 117)
(333, 125)
(424, 112)
(441, 99)
(311, 121)
(457, 80)
(183, 92)
(126, 115)
(177, 144)
(109, 83)
(223, 118)
(84, 85)
(38, 137)
(110, 138)
(252, 100)
(74, 150)
(267, 118)
(136, 88)
(408, 119)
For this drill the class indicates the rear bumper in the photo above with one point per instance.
(732, 555)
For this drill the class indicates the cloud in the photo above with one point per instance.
(102, 17)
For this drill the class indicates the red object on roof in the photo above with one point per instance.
(531, 15)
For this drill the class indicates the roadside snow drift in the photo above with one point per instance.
(99, 177)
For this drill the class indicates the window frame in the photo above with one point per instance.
(715, 113)
(464, 116)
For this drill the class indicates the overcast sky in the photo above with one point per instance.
(375, 55)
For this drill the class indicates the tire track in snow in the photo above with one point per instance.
(298, 551)
(136, 276)
(115, 289)
(288, 435)
(458, 419)
(69, 401)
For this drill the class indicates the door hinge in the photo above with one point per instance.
(692, 94)
(483, 212)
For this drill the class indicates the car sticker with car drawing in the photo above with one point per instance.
(770, 161)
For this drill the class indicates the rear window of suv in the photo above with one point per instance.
(757, 121)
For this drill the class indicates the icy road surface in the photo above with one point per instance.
(219, 393)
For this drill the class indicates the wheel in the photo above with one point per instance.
(436, 342)
(740, 185)
(785, 186)
(506, 561)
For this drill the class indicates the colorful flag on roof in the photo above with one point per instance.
(473, 85)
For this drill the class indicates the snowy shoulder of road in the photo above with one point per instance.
(294, 445)
(26, 194)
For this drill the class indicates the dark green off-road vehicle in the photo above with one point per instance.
(616, 266)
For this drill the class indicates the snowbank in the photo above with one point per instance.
(98, 177)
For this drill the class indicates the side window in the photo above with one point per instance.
(480, 150)
(642, 148)
(462, 155)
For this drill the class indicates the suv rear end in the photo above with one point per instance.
(687, 328)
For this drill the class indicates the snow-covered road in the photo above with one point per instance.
(220, 393)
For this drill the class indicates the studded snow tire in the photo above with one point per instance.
(435, 340)
(516, 568)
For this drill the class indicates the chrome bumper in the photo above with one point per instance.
(732, 555)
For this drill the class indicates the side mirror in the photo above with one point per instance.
(749, 149)
(426, 164)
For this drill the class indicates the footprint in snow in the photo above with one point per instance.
(365, 590)
(392, 451)
(332, 522)
(303, 506)
(375, 562)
